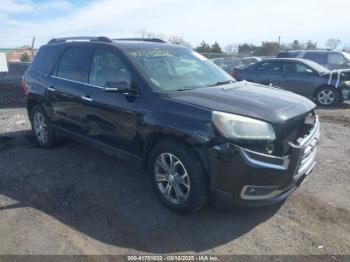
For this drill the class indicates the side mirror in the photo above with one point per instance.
(123, 85)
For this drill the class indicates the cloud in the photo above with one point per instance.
(224, 21)
(27, 6)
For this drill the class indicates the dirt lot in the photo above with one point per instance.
(76, 200)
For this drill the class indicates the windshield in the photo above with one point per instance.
(347, 55)
(319, 68)
(176, 69)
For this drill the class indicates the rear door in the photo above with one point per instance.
(268, 73)
(67, 94)
(299, 78)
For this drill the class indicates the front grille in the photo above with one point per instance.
(308, 144)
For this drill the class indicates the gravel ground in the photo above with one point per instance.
(76, 200)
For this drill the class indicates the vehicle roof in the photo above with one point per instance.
(309, 63)
(122, 44)
(311, 51)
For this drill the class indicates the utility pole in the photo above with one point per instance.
(279, 43)
(32, 48)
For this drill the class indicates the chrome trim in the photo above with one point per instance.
(262, 164)
(77, 82)
(51, 89)
(262, 197)
(89, 99)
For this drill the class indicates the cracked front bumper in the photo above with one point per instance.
(245, 177)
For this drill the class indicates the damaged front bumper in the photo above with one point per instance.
(242, 176)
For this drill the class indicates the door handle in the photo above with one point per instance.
(51, 89)
(86, 98)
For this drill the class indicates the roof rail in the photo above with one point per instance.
(77, 38)
(156, 40)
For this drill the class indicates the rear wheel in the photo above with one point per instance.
(42, 128)
(178, 177)
(327, 96)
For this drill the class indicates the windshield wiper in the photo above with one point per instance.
(221, 83)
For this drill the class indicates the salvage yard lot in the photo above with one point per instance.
(76, 200)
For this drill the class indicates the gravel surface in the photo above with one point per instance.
(76, 200)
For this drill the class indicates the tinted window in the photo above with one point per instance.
(45, 59)
(297, 68)
(318, 57)
(107, 68)
(291, 54)
(75, 64)
(336, 59)
(269, 66)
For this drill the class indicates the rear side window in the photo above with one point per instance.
(318, 57)
(288, 54)
(336, 59)
(74, 64)
(45, 60)
(269, 66)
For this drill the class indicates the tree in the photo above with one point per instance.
(267, 49)
(311, 45)
(203, 48)
(246, 49)
(296, 45)
(230, 49)
(178, 40)
(25, 57)
(215, 48)
(333, 43)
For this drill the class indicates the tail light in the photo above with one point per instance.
(234, 73)
(24, 86)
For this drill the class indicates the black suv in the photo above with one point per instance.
(197, 131)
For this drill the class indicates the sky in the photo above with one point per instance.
(224, 21)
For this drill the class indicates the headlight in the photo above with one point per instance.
(240, 127)
(346, 83)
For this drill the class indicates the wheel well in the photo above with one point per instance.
(31, 104)
(155, 139)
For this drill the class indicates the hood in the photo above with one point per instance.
(248, 99)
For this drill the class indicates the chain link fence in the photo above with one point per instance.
(13, 65)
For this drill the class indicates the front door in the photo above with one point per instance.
(298, 78)
(111, 116)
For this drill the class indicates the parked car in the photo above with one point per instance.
(11, 92)
(329, 59)
(247, 61)
(227, 64)
(166, 108)
(300, 76)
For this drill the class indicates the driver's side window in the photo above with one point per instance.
(107, 68)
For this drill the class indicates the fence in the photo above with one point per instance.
(13, 64)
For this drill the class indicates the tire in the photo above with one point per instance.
(42, 128)
(327, 96)
(184, 187)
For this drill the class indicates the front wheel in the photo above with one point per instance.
(178, 177)
(327, 96)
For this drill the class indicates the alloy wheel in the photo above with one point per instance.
(40, 127)
(172, 178)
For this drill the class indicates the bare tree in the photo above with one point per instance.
(231, 49)
(178, 40)
(143, 33)
(333, 43)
